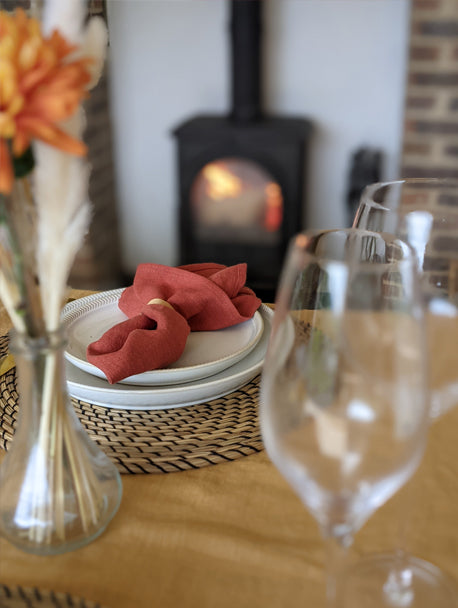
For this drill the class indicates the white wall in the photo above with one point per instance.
(341, 63)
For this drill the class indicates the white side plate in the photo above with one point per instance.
(206, 352)
(98, 392)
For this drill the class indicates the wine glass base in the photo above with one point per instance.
(424, 585)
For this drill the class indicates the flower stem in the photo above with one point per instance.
(19, 284)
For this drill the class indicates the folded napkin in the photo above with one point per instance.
(164, 305)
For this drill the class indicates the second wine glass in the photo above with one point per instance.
(424, 213)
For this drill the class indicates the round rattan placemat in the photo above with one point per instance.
(158, 441)
(31, 597)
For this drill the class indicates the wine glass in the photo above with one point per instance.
(343, 406)
(424, 213)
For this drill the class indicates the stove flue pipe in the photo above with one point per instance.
(245, 33)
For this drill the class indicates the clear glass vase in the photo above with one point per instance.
(58, 490)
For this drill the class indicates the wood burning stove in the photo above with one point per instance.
(241, 177)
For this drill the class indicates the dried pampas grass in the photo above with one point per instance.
(63, 217)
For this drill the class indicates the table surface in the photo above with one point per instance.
(235, 534)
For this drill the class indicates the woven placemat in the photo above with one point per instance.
(31, 597)
(158, 441)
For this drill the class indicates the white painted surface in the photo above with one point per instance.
(341, 63)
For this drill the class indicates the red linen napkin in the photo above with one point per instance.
(197, 297)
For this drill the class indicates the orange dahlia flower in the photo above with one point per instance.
(41, 84)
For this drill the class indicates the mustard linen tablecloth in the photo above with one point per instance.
(234, 534)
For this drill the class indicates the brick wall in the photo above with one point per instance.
(430, 147)
(440, 265)
(98, 263)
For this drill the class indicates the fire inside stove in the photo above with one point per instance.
(235, 200)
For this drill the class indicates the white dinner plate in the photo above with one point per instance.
(97, 391)
(206, 352)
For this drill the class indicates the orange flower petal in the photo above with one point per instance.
(32, 78)
(42, 83)
(60, 45)
(52, 135)
(16, 104)
(28, 53)
(6, 169)
(7, 126)
(8, 85)
(52, 107)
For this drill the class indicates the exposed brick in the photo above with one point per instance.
(10, 5)
(451, 150)
(420, 102)
(409, 126)
(446, 243)
(453, 277)
(445, 221)
(391, 289)
(412, 206)
(430, 148)
(442, 79)
(449, 200)
(414, 199)
(437, 264)
(428, 5)
(96, 7)
(424, 53)
(418, 171)
(421, 149)
(98, 263)
(441, 127)
(447, 28)
(439, 280)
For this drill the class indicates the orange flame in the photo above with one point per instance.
(274, 211)
(221, 183)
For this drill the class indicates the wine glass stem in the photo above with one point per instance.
(398, 586)
(336, 555)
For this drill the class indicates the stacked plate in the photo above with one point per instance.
(213, 364)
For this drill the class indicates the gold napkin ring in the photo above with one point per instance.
(161, 302)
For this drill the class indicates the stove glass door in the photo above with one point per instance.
(235, 200)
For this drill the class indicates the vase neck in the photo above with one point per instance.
(30, 346)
